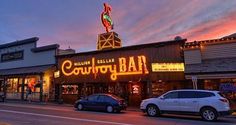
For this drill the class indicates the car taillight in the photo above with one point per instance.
(224, 100)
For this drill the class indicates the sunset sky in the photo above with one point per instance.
(76, 23)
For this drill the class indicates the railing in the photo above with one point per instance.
(13, 95)
(35, 96)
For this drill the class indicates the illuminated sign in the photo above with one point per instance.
(133, 65)
(106, 18)
(135, 89)
(56, 74)
(167, 67)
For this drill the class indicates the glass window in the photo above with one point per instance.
(12, 85)
(187, 94)
(33, 83)
(93, 98)
(69, 89)
(104, 98)
(204, 94)
(171, 95)
(221, 94)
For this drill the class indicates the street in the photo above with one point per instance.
(31, 114)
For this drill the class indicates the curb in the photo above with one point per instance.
(37, 103)
(136, 109)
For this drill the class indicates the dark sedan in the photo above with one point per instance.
(101, 102)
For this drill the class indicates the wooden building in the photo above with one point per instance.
(213, 64)
(132, 72)
(24, 65)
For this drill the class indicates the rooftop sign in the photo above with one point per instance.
(106, 18)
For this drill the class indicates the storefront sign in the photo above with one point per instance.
(132, 65)
(12, 56)
(167, 67)
(227, 87)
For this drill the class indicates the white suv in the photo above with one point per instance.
(208, 104)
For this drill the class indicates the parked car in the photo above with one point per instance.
(208, 104)
(101, 102)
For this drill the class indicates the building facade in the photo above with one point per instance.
(24, 65)
(133, 72)
(212, 63)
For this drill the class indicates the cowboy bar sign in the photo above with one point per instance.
(132, 65)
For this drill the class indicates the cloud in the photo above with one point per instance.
(136, 21)
(173, 18)
(213, 29)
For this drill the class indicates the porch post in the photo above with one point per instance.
(41, 87)
(5, 87)
(149, 88)
(23, 88)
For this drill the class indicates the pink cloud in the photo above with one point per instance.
(159, 23)
(213, 29)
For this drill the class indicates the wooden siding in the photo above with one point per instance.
(170, 53)
(227, 50)
(192, 56)
(213, 65)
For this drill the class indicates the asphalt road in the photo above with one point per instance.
(28, 114)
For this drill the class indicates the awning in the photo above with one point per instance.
(25, 70)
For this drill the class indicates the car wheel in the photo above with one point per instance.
(110, 109)
(209, 114)
(152, 110)
(80, 107)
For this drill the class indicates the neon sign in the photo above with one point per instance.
(135, 89)
(106, 18)
(126, 66)
(167, 67)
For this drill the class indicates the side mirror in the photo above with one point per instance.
(162, 98)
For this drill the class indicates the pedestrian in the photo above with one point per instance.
(2, 96)
(28, 93)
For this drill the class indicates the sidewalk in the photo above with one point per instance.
(3, 123)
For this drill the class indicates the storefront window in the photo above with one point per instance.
(226, 86)
(13, 88)
(158, 88)
(211, 84)
(32, 82)
(69, 89)
(228, 89)
(12, 85)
